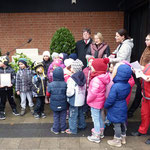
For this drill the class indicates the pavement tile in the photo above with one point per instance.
(9, 143)
(30, 143)
(49, 143)
(69, 142)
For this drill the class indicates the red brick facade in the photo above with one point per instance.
(17, 28)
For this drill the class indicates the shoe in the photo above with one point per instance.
(54, 131)
(137, 134)
(2, 115)
(63, 131)
(15, 112)
(43, 115)
(36, 116)
(23, 111)
(32, 110)
(94, 138)
(147, 141)
(115, 142)
(68, 131)
(123, 139)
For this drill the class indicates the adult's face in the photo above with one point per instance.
(119, 38)
(147, 41)
(86, 35)
(97, 39)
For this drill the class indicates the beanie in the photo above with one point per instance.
(54, 54)
(23, 60)
(77, 65)
(46, 53)
(68, 62)
(4, 60)
(100, 64)
(73, 56)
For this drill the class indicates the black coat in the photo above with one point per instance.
(81, 50)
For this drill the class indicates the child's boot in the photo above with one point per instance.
(32, 110)
(123, 139)
(23, 111)
(95, 137)
(115, 142)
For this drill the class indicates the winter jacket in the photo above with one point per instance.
(46, 65)
(39, 85)
(123, 51)
(96, 92)
(57, 90)
(81, 50)
(146, 85)
(116, 102)
(98, 51)
(76, 88)
(24, 80)
(67, 74)
(8, 69)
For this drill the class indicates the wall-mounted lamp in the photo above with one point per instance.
(73, 1)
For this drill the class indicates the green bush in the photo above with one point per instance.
(62, 41)
(14, 64)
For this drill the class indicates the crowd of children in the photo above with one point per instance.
(64, 85)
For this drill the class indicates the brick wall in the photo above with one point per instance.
(17, 28)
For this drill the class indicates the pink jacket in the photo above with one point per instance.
(96, 92)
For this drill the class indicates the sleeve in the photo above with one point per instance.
(13, 76)
(88, 52)
(107, 52)
(70, 87)
(111, 97)
(17, 86)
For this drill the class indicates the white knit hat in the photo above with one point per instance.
(68, 62)
(77, 65)
(46, 53)
(54, 54)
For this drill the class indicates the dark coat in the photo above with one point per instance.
(46, 65)
(57, 90)
(116, 101)
(81, 50)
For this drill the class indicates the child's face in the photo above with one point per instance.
(111, 68)
(39, 70)
(21, 65)
(54, 66)
(46, 58)
(1, 64)
(92, 69)
(90, 62)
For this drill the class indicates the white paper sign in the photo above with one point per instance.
(5, 79)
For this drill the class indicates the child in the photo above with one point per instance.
(46, 61)
(145, 109)
(96, 96)
(39, 90)
(24, 85)
(116, 104)
(76, 87)
(58, 101)
(6, 92)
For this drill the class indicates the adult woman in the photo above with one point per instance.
(98, 48)
(124, 49)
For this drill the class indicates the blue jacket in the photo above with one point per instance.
(57, 89)
(116, 101)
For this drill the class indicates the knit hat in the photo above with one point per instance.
(54, 54)
(77, 65)
(37, 64)
(63, 56)
(46, 53)
(23, 60)
(4, 60)
(73, 56)
(68, 62)
(100, 64)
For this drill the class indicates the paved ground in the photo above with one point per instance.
(63, 142)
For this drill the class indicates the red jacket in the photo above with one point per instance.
(146, 85)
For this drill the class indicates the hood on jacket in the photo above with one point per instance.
(79, 78)
(123, 74)
(105, 78)
(58, 74)
(129, 42)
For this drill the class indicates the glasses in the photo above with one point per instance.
(147, 39)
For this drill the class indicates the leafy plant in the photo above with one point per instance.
(14, 63)
(62, 41)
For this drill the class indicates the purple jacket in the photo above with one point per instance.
(96, 92)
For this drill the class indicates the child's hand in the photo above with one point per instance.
(18, 93)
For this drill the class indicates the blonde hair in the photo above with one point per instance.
(100, 36)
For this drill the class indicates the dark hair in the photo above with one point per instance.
(148, 34)
(86, 30)
(123, 32)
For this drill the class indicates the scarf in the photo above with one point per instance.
(97, 73)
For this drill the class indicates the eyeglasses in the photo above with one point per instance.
(147, 39)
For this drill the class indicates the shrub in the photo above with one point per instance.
(14, 64)
(62, 41)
